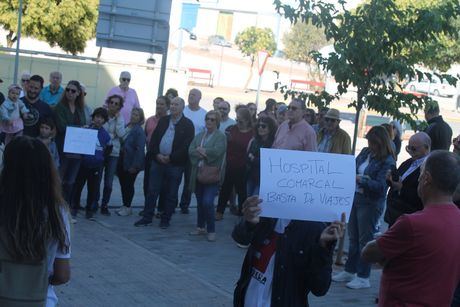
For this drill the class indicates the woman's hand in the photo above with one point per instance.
(333, 232)
(201, 151)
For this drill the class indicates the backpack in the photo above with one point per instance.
(22, 283)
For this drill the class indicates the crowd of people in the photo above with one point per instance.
(217, 156)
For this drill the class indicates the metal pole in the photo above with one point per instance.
(18, 40)
(179, 48)
(164, 59)
(258, 90)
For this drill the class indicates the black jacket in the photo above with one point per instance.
(405, 201)
(301, 264)
(440, 133)
(183, 136)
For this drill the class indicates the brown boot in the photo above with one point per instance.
(219, 216)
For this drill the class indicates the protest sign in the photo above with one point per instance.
(80, 141)
(304, 185)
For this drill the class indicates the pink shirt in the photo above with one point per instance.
(300, 136)
(422, 250)
(130, 101)
(150, 126)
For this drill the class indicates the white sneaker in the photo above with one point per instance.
(343, 276)
(73, 220)
(198, 232)
(124, 211)
(211, 236)
(359, 283)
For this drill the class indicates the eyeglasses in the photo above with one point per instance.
(211, 119)
(293, 108)
(263, 126)
(412, 148)
(68, 90)
(125, 79)
(117, 103)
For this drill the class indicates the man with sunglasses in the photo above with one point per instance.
(331, 138)
(53, 92)
(129, 96)
(224, 110)
(402, 197)
(295, 133)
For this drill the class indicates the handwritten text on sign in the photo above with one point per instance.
(305, 185)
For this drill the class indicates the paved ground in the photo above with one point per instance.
(117, 264)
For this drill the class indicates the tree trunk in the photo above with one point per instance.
(250, 74)
(10, 39)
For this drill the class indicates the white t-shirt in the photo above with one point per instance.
(55, 253)
(197, 117)
(259, 291)
(224, 125)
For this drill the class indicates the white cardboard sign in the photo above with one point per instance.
(303, 185)
(80, 141)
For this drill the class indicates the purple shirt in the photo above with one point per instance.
(130, 101)
(300, 136)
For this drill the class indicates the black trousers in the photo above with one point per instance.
(235, 178)
(127, 181)
(91, 177)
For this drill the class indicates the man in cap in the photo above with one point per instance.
(332, 138)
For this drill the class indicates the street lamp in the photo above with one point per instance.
(18, 40)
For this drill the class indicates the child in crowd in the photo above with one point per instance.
(10, 114)
(47, 127)
(91, 166)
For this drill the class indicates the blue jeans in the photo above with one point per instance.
(252, 188)
(205, 194)
(364, 216)
(70, 165)
(110, 168)
(168, 175)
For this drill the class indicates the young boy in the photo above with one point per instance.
(47, 127)
(91, 166)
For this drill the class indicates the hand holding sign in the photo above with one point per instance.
(333, 232)
(251, 209)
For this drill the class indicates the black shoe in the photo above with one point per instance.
(89, 214)
(164, 225)
(184, 211)
(105, 211)
(143, 222)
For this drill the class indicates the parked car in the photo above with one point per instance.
(435, 87)
(219, 40)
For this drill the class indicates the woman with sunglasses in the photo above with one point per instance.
(238, 137)
(115, 126)
(372, 166)
(69, 112)
(264, 136)
(207, 150)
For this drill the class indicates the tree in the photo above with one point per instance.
(252, 40)
(371, 49)
(66, 23)
(300, 41)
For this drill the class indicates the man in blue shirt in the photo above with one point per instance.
(52, 93)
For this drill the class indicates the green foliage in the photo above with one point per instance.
(253, 39)
(301, 40)
(375, 47)
(66, 23)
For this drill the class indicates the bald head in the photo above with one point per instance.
(194, 97)
(419, 145)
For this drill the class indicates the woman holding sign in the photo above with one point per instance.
(372, 165)
(69, 112)
(207, 154)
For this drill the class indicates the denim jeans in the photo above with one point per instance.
(364, 216)
(92, 178)
(205, 194)
(252, 188)
(70, 165)
(110, 168)
(162, 197)
(169, 176)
